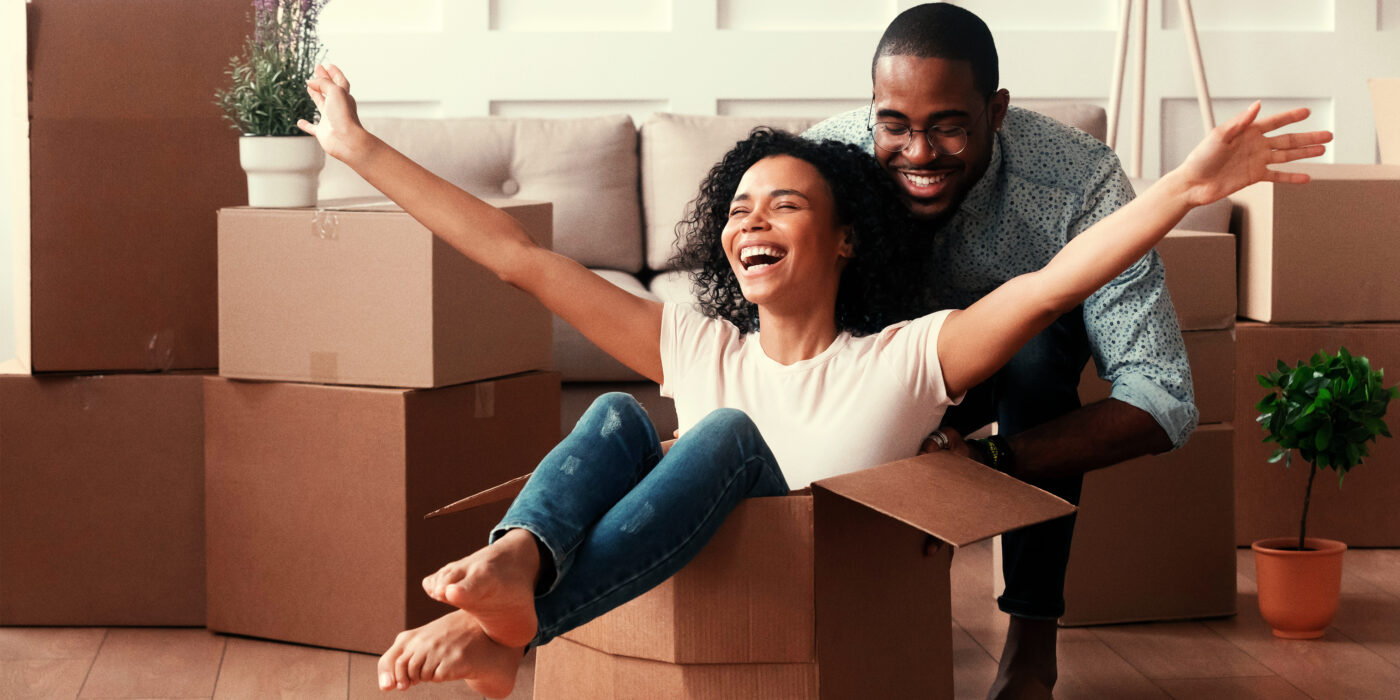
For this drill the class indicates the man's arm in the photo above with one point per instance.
(1099, 435)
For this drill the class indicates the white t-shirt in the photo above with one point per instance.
(861, 402)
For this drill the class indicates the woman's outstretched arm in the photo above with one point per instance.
(976, 342)
(625, 326)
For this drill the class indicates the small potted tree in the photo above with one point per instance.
(1327, 409)
(267, 96)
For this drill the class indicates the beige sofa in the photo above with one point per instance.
(618, 191)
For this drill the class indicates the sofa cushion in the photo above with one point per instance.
(587, 167)
(1089, 118)
(677, 151)
(578, 359)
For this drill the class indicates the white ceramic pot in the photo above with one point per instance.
(282, 170)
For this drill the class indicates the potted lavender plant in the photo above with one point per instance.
(267, 96)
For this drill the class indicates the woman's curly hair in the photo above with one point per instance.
(883, 282)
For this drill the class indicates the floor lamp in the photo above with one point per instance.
(1115, 95)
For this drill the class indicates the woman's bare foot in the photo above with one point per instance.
(496, 585)
(452, 647)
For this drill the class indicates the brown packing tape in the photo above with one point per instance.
(160, 351)
(324, 225)
(324, 367)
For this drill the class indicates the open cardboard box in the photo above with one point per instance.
(842, 592)
(358, 292)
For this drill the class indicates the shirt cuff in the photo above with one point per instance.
(1178, 418)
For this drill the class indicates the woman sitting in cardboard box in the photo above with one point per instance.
(793, 237)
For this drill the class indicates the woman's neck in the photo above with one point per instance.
(791, 338)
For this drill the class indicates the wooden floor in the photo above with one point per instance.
(1233, 658)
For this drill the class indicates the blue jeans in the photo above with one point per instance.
(614, 518)
(1041, 382)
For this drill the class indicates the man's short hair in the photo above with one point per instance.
(942, 30)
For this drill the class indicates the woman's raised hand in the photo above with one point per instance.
(1237, 154)
(339, 126)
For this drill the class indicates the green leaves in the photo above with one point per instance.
(1327, 409)
(267, 92)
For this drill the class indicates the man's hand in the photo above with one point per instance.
(1238, 152)
(956, 445)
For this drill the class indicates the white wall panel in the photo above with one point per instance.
(804, 15)
(1257, 15)
(1038, 15)
(789, 107)
(574, 16)
(563, 58)
(14, 176)
(370, 16)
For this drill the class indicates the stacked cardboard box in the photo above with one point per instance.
(403, 372)
(103, 474)
(1317, 271)
(842, 592)
(1154, 536)
(129, 160)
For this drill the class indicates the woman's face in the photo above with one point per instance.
(782, 237)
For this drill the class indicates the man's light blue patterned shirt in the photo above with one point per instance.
(1045, 184)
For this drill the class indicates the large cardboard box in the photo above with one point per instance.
(568, 670)
(316, 495)
(1324, 251)
(129, 160)
(101, 499)
(1154, 539)
(1212, 358)
(1201, 278)
(840, 593)
(1385, 101)
(1268, 497)
(361, 293)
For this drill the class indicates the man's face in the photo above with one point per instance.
(921, 93)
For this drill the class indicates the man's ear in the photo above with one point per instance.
(1001, 99)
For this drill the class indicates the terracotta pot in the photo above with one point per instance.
(1298, 591)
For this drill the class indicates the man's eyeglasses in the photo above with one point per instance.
(895, 137)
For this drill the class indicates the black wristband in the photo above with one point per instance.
(994, 452)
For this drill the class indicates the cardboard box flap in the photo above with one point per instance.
(952, 498)
(499, 492)
(1385, 102)
(372, 203)
(1322, 172)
